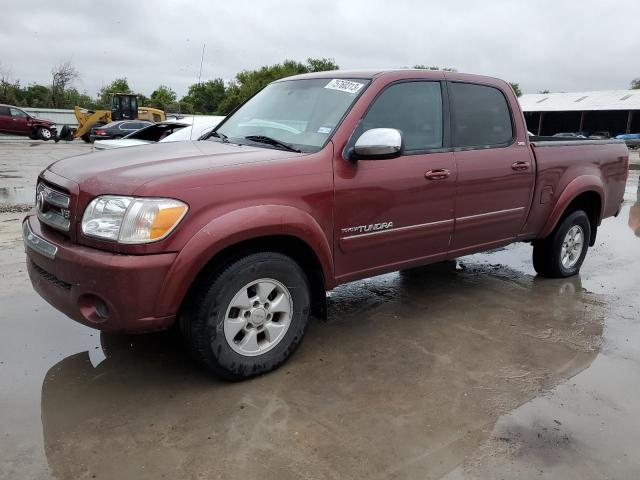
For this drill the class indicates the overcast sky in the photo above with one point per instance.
(557, 45)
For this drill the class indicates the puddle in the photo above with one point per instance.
(17, 195)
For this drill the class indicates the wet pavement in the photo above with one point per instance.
(468, 369)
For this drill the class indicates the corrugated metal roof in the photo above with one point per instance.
(581, 101)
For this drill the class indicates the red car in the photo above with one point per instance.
(317, 180)
(15, 121)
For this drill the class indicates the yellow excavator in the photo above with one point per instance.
(124, 106)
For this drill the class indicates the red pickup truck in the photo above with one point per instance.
(317, 180)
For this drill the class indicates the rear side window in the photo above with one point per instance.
(481, 116)
(4, 111)
(414, 108)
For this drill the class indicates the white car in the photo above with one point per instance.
(180, 130)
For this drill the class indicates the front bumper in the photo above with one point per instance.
(106, 291)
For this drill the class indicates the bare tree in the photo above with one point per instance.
(63, 76)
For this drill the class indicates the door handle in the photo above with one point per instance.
(520, 166)
(437, 174)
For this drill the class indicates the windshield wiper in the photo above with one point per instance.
(272, 141)
(221, 136)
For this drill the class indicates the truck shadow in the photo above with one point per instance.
(406, 378)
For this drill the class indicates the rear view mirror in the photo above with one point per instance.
(378, 143)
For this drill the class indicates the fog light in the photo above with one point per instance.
(93, 308)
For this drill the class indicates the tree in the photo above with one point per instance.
(73, 97)
(248, 82)
(322, 64)
(204, 97)
(36, 96)
(9, 89)
(516, 89)
(119, 85)
(635, 84)
(63, 75)
(162, 97)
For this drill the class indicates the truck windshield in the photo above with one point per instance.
(301, 114)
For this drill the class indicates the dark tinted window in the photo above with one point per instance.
(4, 111)
(481, 116)
(414, 108)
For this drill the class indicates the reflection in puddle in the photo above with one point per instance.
(17, 195)
(634, 215)
(415, 367)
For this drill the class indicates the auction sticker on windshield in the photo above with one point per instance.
(344, 85)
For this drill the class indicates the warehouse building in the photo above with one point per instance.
(613, 111)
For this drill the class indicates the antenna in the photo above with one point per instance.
(193, 117)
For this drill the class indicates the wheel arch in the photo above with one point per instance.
(277, 228)
(584, 193)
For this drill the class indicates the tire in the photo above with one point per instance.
(548, 253)
(44, 133)
(219, 324)
(86, 138)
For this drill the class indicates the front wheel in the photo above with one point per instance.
(248, 317)
(44, 133)
(562, 253)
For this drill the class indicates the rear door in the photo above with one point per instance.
(394, 211)
(495, 168)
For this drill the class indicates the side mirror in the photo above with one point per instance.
(378, 143)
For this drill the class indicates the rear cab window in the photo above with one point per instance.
(481, 116)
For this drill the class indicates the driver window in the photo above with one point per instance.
(414, 108)
(18, 113)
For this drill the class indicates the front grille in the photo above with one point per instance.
(51, 278)
(52, 205)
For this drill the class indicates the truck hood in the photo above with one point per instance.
(123, 170)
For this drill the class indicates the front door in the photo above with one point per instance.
(389, 213)
(495, 169)
(19, 122)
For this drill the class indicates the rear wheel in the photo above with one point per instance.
(562, 253)
(86, 138)
(248, 317)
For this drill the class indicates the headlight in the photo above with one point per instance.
(130, 219)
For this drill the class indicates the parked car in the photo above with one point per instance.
(15, 121)
(117, 129)
(631, 139)
(317, 180)
(190, 128)
(569, 135)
